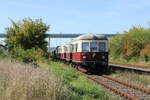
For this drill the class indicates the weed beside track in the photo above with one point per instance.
(142, 80)
(24, 82)
(81, 87)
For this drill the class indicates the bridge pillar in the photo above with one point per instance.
(49, 43)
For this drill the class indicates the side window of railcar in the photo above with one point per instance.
(76, 47)
(71, 48)
(85, 47)
(66, 50)
(94, 46)
(102, 46)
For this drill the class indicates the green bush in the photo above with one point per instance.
(130, 44)
(26, 40)
(115, 45)
(32, 56)
(3, 52)
(146, 52)
(27, 34)
(131, 48)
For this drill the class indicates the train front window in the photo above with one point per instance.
(93, 46)
(85, 47)
(102, 46)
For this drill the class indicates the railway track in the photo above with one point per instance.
(123, 88)
(127, 90)
(129, 68)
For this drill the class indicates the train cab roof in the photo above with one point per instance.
(91, 37)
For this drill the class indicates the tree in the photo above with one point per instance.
(146, 52)
(27, 34)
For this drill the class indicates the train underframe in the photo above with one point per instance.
(97, 67)
(92, 67)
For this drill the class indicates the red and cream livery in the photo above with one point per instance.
(68, 52)
(90, 51)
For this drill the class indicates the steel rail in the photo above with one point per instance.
(128, 96)
(129, 68)
(114, 89)
(128, 84)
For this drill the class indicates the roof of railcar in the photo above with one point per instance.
(91, 37)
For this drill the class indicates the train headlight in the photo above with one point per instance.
(103, 57)
(104, 63)
(84, 57)
(94, 54)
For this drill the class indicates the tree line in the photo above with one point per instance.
(26, 41)
(131, 45)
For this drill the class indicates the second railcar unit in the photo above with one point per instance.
(68, 51)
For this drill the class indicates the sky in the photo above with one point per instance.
(78, 16)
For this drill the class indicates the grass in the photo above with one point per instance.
(24, 82)
(81, 87)
(142, 80)
(51, 81)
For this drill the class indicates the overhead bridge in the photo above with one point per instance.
(63, 36)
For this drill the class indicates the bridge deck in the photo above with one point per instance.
(64, 35)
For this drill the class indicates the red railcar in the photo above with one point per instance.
(90, 51)
(62, 52)
(68, 52)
